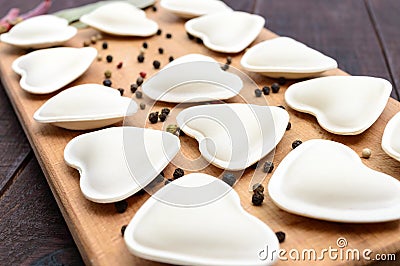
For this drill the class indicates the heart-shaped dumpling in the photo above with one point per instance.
(179, 225)
(117, 162)
(86, 106)
(39, 32)
(45, 71)
(234, 136)
(227, 32)
(194, 8)
(391, 137)
(204, 80)
(286, 57)
(120, 18)
(326, 180)
(343, 105)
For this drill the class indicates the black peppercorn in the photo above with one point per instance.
(281, 236)
(281, 81)
(257, 199)
(160, 50)
(165, 111)
(168, 35)
(178, 173)
(190, 36)
(109, 58)
(289, 126)
(134, 88)
(162, 117)
(229, 178)
(156, 64)
(119, 66)
(258, 188)
(107, 82)
(104, 45)
(145, 45)
(142, 106)
(257, 92)
(121, 91)
(268, 167)
(159, 31)
(275, 87)
(265, 90)
(296, 143)
(228, 60)
(225, 67)
(123, 228)
(153, 117)
(140, 58)
(139, 81)
(171, 58)
(139, 94)
(121, 206)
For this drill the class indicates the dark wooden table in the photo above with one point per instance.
(363, 36)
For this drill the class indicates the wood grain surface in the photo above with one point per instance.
(301, 231)
(14, 148)
(332, 28)
(39, 212)
(383, 15)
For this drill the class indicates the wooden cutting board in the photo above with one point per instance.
(96, 227)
